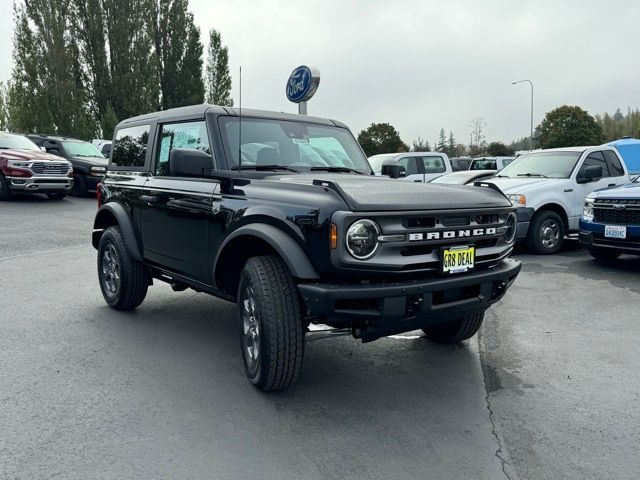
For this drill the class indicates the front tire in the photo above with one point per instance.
(79, 188)
(56, 196)
(5, 192)
(546, 233)
(604, 254)
(270, 322)
(123, 280)
(456, 331)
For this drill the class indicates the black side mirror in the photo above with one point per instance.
(189, 163)
(393, 170)
(54, 150)
(590, 174)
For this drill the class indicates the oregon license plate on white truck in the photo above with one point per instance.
(614, 231)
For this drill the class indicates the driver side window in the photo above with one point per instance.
(410, 164)
(596, 159)
(188, 135)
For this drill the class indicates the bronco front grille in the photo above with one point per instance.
(46, 168)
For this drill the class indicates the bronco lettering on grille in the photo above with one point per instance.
(469, 232)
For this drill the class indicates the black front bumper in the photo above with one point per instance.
(385, 309)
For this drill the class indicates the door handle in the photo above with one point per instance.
(149, 199)
(612, 185)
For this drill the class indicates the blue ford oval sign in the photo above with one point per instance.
(302, 84)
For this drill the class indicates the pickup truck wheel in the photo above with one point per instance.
(79, 188)
(546, 233)
(271, 330)
(123, 280)
(5, 193)
(604, 254)
(456, 331)
(56, 196)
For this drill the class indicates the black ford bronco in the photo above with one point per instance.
(282, 214)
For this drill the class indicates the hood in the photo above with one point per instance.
(30, 155)
(90, 161)
(374, 193)
(628, 191)
(522, 184)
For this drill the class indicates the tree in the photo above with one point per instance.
(218, 80)
(381, 138)
(499, 149)
(451, 145)
(4, 112)
(619, 125)
(420, 145)
(478, 126)
(569, 126)
(48, 88)
(178, 53)
(441, 146)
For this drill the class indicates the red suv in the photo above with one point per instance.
(24, 168)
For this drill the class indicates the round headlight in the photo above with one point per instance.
(362, 239)
(511, 226)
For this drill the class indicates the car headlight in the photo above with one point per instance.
(587, 213)
(510, 227)
(362, 239)
(19, 164)
(518, 200)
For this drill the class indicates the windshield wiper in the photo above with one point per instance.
(336, 169)
(501, 176)
(259, 168)
(532, 175)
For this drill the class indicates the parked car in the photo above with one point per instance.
(24, 168)
(290, 241)
(89, 164)
(549, 188)
(418, 166)
(490, 163)
(103, 145)
(466, 177)
(610, 224)
(459, 164)
(629, 150)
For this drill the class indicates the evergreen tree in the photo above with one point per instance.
(218, 80)
(48, 89)
(4, 113)
(420, 145)
(178, 53)
(451, 146)
(442, 142)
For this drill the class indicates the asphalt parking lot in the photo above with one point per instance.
(549, 390)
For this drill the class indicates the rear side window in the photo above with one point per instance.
(410, 164)
(614, 164)
(130, 147)
(596, 159)
(188, 135)
(433, 164)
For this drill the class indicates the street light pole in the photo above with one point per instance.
(531, 137)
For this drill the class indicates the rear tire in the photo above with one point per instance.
(270, 324)
(546, 233)
(456, 331)
(604, 254)
(56, 196)
(5, 192)
(123, 280)
(79, 186)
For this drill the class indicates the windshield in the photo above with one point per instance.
(296, 145)
(377, 160)
(16, 142)
(542, 164)
(484, 164)
(81, 149)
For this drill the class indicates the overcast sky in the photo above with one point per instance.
(422, 65)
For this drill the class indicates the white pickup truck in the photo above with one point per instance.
(549, 188)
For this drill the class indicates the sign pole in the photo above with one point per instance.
(302, 108)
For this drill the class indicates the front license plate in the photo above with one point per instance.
(458, 259)
(614, 231)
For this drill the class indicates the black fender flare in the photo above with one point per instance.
(123, 221)
(292, 253)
